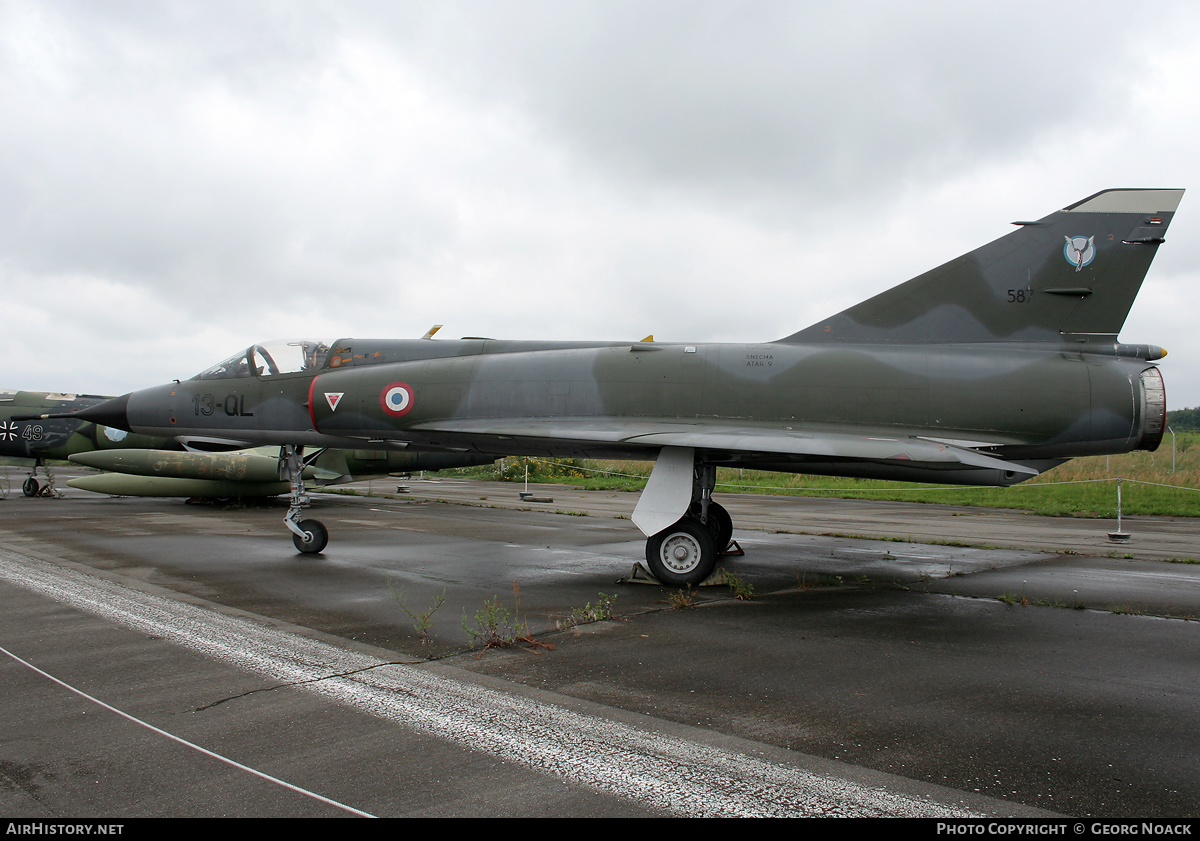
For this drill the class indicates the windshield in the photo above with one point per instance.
(280, 356)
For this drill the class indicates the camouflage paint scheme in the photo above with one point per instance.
(60, 437)
(25, 440)
(987, 370)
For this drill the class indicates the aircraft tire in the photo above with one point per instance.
(720, 524)
(319, 534)
(683, 554)
(30, 487)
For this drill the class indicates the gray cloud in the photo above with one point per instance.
(805, 100)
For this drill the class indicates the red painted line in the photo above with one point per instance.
(312, 413)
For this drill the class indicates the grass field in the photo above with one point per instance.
(1085, 487)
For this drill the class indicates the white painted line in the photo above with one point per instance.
(659, 771)
(183, 741)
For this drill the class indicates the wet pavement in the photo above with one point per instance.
(975, 661)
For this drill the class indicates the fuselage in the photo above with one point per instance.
(1033, 401)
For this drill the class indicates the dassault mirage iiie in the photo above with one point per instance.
(997, 365)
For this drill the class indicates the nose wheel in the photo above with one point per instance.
(313, 537)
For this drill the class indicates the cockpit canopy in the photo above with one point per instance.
(279, 356)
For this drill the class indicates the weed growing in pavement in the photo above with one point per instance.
(1125, 609)
(602, 609)
(422, 621)
(496, 627)
(803, 582)
(683, 599)
(741, 588)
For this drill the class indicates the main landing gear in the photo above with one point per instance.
(309, 536)
(685, 552)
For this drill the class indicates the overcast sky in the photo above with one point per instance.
(181, 179)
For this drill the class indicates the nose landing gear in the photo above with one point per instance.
(310, 537)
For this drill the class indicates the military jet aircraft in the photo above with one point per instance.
(997, 365)
(31, 441)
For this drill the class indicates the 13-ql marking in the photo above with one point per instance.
(234, 405)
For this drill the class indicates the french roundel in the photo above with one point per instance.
(397, 399)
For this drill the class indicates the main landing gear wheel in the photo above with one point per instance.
(720, 523)
(682, 554)
(317, 537)
(30, 487)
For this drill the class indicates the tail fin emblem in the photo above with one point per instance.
(1080, 251)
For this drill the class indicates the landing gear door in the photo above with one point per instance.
(668, 493)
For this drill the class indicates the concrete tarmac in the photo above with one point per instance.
(1031, 668)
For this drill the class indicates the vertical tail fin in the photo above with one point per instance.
(1073, 274)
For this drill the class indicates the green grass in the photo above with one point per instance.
(1092, 492)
